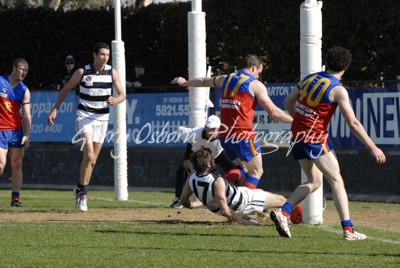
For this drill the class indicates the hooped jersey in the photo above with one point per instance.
(10, 104)
(94, 91)
(314, 110)
(203, 188)
(237, 107)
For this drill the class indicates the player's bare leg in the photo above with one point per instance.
(3, 159)
(329, 166)
(254, 171)
(16, 157)
(314, 181)
(91, 151)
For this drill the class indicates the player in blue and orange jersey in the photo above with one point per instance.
(312, 105)
(14, 130)
(241, 91)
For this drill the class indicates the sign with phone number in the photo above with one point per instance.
(152, 119)
(63, 129)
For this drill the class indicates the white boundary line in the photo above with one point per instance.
(130, 201)
(336, 231)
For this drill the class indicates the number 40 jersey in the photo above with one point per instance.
(314, 110)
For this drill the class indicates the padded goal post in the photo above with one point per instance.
(311, 62)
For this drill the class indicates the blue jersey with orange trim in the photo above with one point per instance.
(10, 104)
(314, 110)
(237, 107)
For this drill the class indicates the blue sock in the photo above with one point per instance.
(346, 223)
(242, 172)
(84, 189)
(79, 186)
(14, 195)
(286, 208)
(251, 182)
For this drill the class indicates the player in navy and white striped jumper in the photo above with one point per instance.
(222, 197)
(96, 82)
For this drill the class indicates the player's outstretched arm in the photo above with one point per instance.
(76, 77)
(215, 81)
(261, 93)
(290, 101)
(342, 98)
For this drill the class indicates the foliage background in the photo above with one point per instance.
(157, 35)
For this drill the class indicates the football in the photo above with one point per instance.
(296, 216)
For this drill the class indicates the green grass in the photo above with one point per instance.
(176, 244)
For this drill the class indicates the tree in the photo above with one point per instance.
(51, 4)
(55, 4)
(22, 3)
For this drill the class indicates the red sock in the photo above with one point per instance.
(249, 185)
(284, 213)
(348, 228)
(14, 196)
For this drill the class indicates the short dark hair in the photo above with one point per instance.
(18, 61)
(338, 59)
(250, 61)
(201, 159)
(100, 45)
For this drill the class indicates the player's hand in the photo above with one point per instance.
(379, 155)
(25, 142)
(52, 116)
(247, 221)
(111, 101)
(178, 81)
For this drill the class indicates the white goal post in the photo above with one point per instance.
(311, 62)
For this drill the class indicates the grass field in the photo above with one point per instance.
(48, 233)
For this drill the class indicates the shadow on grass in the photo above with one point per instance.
(178, 233)
(183, 222)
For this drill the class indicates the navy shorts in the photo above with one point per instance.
(301, 150)
(245, 150)
(11, 139)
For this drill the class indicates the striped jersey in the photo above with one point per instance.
(237, 107)
(203, 188)
(314, 110)
(94, 90)
(10, 104)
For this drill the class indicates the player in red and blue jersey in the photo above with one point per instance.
(15, 126)
(312, 105)
(241, 91)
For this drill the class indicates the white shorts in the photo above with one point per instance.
(253, 201)
(97, 128)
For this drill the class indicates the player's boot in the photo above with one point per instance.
(76, 195)
(82, 204)
(16, 203)
(281, 223)
(176, 203)
(233, 175)
(347, 235)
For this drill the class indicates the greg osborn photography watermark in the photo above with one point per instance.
(149, 134)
